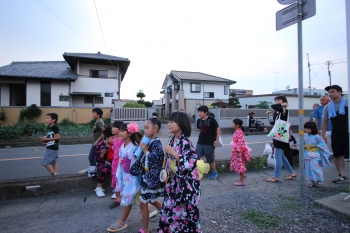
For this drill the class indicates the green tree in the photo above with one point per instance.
(148, 104)
(140, 94)
(233, 101)
(263, 105)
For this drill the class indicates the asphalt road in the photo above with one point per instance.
(17, 163)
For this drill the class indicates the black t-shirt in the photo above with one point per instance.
(208, 129)
(54, 144)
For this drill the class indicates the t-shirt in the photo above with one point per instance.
(337, 105)
(54, 144)
(318, 115)
(340, 122)
(208, 129)
(98, 128)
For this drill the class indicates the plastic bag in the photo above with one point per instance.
(268, 149)
(220, 143)
(271, 162)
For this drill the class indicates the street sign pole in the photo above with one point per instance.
(347, 20)
(301, 101)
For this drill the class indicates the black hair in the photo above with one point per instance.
(281, 97)
(53, 116)
(211, 114)
(155, 121)
(311, 125)
(135, 137)
(183, 121)
(239, 122)
(107, 132)
(155, 114)
(98, 111)
(203, 108)
(117, 124)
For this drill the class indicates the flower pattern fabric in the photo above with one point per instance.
(103, 168)
(117, 143)
(239, 145)
(127, 185)
(315, 158)
(180, 211)
(151, 186)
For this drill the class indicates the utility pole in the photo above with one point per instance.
(308, 64)
(329, 73)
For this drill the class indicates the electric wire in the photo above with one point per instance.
(100, 26)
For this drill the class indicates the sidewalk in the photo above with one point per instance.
(222, 208)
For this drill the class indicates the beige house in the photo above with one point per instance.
(184, 90)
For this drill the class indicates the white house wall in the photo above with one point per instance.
(5, 94)
(57, 89)
(84, 69)
(218, 90)
(33, 92)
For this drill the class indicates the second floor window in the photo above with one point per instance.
(209, 94)
(195, 87)
(99, 73)
(225, 90)
(108, 94)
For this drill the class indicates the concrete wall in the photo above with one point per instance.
(59, 88)
(77, 115)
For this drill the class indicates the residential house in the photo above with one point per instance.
(185, 90)
(81, 80)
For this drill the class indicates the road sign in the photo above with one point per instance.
(286, 2)
(288, 16)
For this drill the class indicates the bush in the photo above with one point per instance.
(148, 104)
(2, 114)
(66, 122)
(140, 102)
(133, 105)
(9, 132)
(257, 163)
(31, 112)
(107, 121)
(31, 128)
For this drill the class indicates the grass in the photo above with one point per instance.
(290, 203)
(262, 220)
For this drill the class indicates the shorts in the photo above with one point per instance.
(340, 144)
(50, 157)
(207, 151)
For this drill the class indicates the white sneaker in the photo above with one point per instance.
(99, 192)
(114, 196)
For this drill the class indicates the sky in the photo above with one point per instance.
(230, 39)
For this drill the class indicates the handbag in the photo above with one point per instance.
(137, 168)
(163, 176)
(280, 130)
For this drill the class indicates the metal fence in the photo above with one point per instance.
(129, 114)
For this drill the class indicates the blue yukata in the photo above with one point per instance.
(315, 158)
(127, 185)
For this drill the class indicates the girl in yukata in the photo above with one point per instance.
(151, 186)
(117, 143)
(316, 155)
(180, 211)
(240, 152)
(127, 185)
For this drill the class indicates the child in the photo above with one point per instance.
(99, 126)
(127, 185)
(208, 138)
(293, 149)
(117, 142)
(52, 143)
(240, 152)
(180, 211)
(104, 159)
(151, 186)
(316, 155)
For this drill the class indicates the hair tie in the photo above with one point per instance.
(154, 117)
(132, 127)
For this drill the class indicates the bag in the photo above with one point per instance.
(137, 168)
(280, 130)
(268, 149)
(271, 161)
(164, 174)
(220, 143)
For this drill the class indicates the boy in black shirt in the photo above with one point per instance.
(208, 138)
(52, 143)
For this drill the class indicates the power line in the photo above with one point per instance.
(328, 47)
(64, 22)
(100, 26)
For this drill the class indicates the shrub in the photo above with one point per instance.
(107, 121)
(2, 114)
(257, 163)
(133, 105)
(148, 104)
(30, 128)
(9, 132)
(31, 112)
(66, 122)
(140, 102)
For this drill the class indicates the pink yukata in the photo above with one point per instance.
(239, 145)
(117, 143)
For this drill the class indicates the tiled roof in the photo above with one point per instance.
(39, 69)
(95, 56)
(196, 76)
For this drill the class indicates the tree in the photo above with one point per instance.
(233, 101)
(263, 105)
(140, 94)
(219, 103)
(148, 104)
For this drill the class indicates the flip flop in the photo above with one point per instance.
(291, 176)
(272, 180)
(116, 228)
(239, 184)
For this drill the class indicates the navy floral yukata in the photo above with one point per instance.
(180, 211)
(151, 186)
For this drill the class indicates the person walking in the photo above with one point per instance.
(337, 112)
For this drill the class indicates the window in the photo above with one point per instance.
(88, 99)
(99, 73)
(195, 87)
(108, 94)
(99, 100)
(225, 90)
(209, 94)
(64, 98)
(45, 93)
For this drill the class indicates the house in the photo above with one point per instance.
(81, 80)
(184, 90)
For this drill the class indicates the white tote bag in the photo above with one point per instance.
(280, 130)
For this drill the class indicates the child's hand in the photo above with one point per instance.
(169, 150)
(103, 152)
(144, 147)
(268, 112)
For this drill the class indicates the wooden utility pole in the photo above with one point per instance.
(329, 73)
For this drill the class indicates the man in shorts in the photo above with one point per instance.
(208, 138)
(337, 112)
